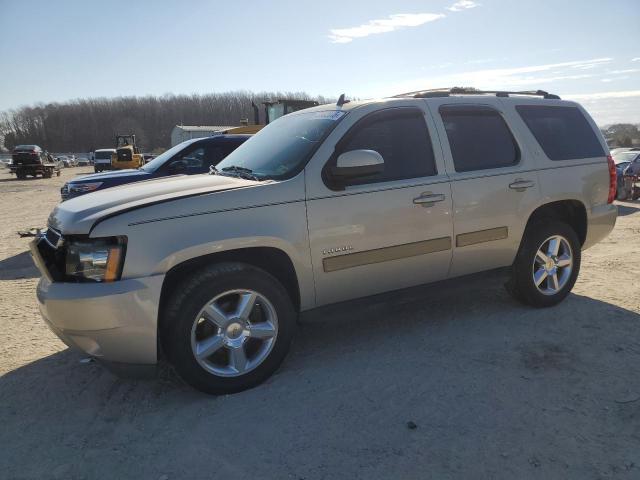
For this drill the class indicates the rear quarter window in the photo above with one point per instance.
(563, 132)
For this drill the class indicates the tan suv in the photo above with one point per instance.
(327, 204)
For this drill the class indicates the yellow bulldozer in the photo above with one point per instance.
(127, 154)
(272, 111)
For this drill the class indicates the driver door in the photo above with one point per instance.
(389, 230)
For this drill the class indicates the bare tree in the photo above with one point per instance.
(82, 124)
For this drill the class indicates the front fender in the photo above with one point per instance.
(156, 247)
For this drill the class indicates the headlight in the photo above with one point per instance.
(83, 187)
(95, 260)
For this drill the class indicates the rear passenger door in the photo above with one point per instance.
(494, 182)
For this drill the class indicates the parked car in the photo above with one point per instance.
(187, 158)
(324, 205)
(102, 159)
(617, 150)
(31, 160)
(83, 162)
(627, 165)
(67, 162)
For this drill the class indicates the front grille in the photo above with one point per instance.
(53, 238)
(51, 249)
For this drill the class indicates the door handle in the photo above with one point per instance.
(520, 185)
(427, 199)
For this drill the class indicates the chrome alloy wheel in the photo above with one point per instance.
(234, 333)
(552, 265)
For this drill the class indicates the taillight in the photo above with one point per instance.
(612, 179)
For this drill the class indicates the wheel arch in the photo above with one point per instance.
(270, 259)
(572, 212)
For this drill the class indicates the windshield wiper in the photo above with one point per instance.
(241, 172)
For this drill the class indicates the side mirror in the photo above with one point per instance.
(357, 163)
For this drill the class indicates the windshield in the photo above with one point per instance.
(624, 157)
(157, 162)
(281, 149)
(103, 155)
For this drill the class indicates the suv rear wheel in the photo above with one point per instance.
(229, 328)
(547, 264)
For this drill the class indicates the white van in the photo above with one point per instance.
(102, 159)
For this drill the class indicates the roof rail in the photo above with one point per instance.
(445, 92)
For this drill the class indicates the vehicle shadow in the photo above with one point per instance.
(18, 266)
(462, 360)
(624, 210)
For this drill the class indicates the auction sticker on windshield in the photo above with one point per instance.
(329, 115)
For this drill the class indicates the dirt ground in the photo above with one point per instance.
(494, 389)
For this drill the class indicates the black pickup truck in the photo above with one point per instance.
(33, 160)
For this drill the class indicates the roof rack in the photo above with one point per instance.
(445, 92)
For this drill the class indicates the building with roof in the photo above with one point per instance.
(181, 133)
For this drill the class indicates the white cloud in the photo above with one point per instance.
(614, 79)
(463, 5)
(383, 25)
(610, 107)
(628, 70)
(637, 59)
(603, 95)
(505, 78)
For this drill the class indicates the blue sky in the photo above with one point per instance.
(60, 50)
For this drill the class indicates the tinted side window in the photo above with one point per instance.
(401, 137)
(194, 158)
(479, 138)
(562, 132)
(214, 154)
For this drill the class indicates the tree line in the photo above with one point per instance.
(622, 135)
(86, 124)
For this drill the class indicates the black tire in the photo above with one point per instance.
(522, 285)
(194, 293)
(21, 176)
(47, 174)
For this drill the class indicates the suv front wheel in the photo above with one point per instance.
(228, 328)
(547, 264)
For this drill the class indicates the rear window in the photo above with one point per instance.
(103, 155)
(479, 138)
(562, 132)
